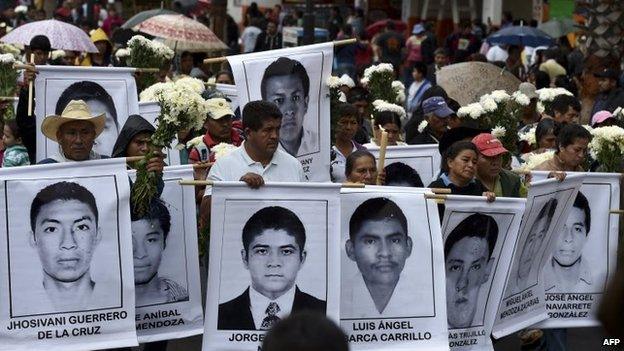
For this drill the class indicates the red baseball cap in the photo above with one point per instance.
(488, 145)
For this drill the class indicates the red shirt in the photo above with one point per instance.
(235, 137)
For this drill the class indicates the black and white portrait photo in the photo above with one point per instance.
(469, 258)
(108, 91)
(273, 252)
(400, 174)
(294, 80)
(149, 241)
(417, 164)
(526, 268)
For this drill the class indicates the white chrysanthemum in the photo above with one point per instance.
(520, 98)
(342, 97)
(498, 132)
(364, 81)
(588, 127)
(422, 126)
(540, 107)
(7, 59)
(400, 98)
(21, 9)
(6, 48)
(617, 112)
(474, 111)
(489, 104)
(397, 85)
(381, 105)
(151, 93)
(499, 95)
(121, 53)
(534, 160)
(191, 83)
(380, 68)
(162, 50)
(529, 136)
(222, 149)
(346, 80)
(549, 94)
(333, 82)
(57, 54)
(139, 40)
(196, 141)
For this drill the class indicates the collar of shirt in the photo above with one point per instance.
(447, 181)
(259, 304)
(250, 161)
(235, 139)
(553, 280)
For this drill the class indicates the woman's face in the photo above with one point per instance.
(347, 127)
(464, 165)
(106, 140)
(394, 133)
(364, 171)
(548, 141)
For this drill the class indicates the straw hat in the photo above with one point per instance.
(76, 110)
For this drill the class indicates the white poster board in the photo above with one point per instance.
(424, 159)
(150, 111)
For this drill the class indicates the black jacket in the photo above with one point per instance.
(264, 42)
(27, 124)
(609, 101)
(236, 314)
(134, 125)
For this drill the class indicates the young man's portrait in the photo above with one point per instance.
(286, 84)
(273, 252)
(468, 257)
(149, 241)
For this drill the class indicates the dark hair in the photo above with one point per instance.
(305, 331)
(346, 109)
(87, 91)
(552, 53)
(256, 112)
(569, 132)
(548, 210)
(15, 130)
(544, 127)
(284, 66)
(542, 79)
(561, 103)
(441, 51)
(562, 81)
(421, 67)
(277, 218)
(64, 191)
(477, 225)
(513, 50)
(454, 150)
(356, 94)
(354, 156)
(185, 54)
(226, 72)
(385, 117)
(399, 172)
(376, 209)
(581, 203)
(157, 211)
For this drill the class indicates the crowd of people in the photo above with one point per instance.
(474, 161)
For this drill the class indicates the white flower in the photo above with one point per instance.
(549, 94)
(380, 68)
(533, 160)
(529, 136)
(474, 111)
(588, 128)
(342, 97)
(364, 81)
(162, 50)
(499, 95)
(6, 59)
(400, 98)
(121, 53)
(381, 105)
(10, 49)
(222, 149)
(422, 126)
(57, 54)
(139, 40)
(498, 132)
(520, 98)
(346, 80)
(333, 82)
(488, 103)
(540, 107)
(617, 112)
(397, 85)
(191, 83)
(21, 9)
(194, 142)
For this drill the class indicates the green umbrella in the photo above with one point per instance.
(144, 15)
(558, 27)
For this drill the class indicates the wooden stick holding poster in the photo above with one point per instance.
(382, 153)
(30, 89)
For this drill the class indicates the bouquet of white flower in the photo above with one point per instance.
(529, 136)
(379, 81)
(607, 147)
(8, 88)
(381, 105)
(534, 160)
(181, 107)
(145, 53)
(399, 90)
(547, 95)
(10, 49)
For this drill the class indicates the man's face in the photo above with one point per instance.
(532, 246)
(106, 140)
(416, 75)
(364, 171)
(288, 94)
(273, 259)
(139, 145)
(224, 79)
(467, 268)
(40, 56)
(573, 155)
(490, 166)
(572, 240)
(571, 116)
(70, 58)
(65, 236)
(380, 249)
(265, 139)
(437, 124)
(186, 64)
(219, 129)
(347, 127)
(76, 139)
(605, 85)
(148, 243)
(441, 60)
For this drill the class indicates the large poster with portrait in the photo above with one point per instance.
(293, 79)
(584, 255)
(478, 242)
(166, 267)
(66, 268)
(410, 165)
(150, 111)
(107, 90)
(273, 251)
(392, 293)
(524, 302)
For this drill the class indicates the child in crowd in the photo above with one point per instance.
(15, 154)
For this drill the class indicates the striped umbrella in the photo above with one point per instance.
(63, 36)
(181, 33)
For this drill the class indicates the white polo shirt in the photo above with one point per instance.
(282, 168)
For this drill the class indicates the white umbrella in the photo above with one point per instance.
(63, 36)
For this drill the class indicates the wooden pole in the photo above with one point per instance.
(30, 89)
(620, 212)
(440, 190)
(382, 154)
(336, 43)
(210, 182)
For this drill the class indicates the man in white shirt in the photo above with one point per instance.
(496, 54)
(249, 36)
(273, 252)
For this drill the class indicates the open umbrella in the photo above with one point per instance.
(379, 25)
(466, 82)
(63, 36)
(521, 35)
(144, 15)
(558, 27)
(181, 33)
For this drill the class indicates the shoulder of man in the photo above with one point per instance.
(304, 301)
(47, 161)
